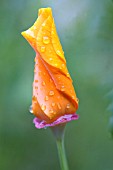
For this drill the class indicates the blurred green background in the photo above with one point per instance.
(85, 28)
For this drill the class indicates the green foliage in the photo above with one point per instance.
(86, 31)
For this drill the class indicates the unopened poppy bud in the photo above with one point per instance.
(54, 100)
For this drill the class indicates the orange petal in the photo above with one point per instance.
(52, 87)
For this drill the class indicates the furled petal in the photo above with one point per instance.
(53, 92)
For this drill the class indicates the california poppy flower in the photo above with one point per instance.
(54, 100)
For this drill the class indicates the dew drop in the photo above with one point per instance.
(43, 24)
(59, 106)
(46, 40)
(77, 100)
(43, 83)
(36, 87)
(68, 106)
(63, 65)
(52, 32)
(43, 107)
(36, 81)
(50, 59)
(31, 109)
(34, 99)
(56, 64)
(59, 52)
(73, 97)
(62, 88)
(43, 49)
(51, 111)
(51, 93)
(67, 74)
(46, 98)
(53, 104)
(60, 68)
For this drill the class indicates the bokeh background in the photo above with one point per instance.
(85, 28)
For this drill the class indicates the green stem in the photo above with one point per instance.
(58, 132)
(62, 155)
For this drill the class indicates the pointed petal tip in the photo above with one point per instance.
(29, 36)
(48, 10)
(23, 33)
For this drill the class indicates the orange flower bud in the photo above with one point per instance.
(53, 92)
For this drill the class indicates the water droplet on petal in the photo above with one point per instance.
(68, 106)
(42, 49)
(46, 40)
(56, 64)
(51, 93)
(73, 97)
(62, 66)
(43, 24)
(43, 107)
(34, 99)
(31, 109)
(59, 52)
(67, 74)
(62, 88)
(36, 81)
(52, 32)
(43, 83)
(59, 106)
(51, 111)
(36, 87)
(53, 104)
(77, 100)
(46, 98)
(50, 59)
